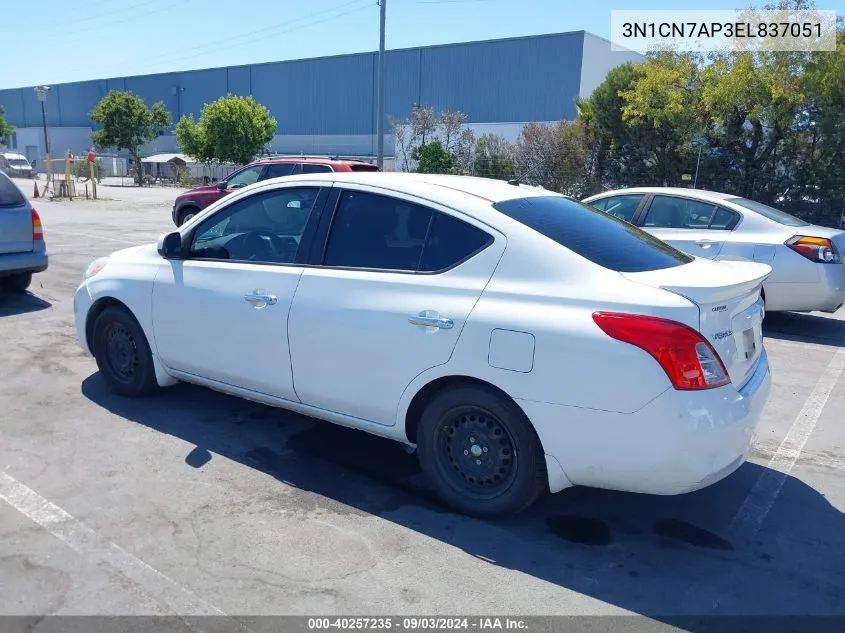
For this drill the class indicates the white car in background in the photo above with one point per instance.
(520, 340)
(808, 272)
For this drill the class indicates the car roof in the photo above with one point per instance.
(487, 189)
(701, 194)
(310, 159)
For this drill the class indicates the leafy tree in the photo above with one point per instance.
(6, 130)
(432, 158)
(424, 126)
(495, 158)
(128, 124)
(232, 129)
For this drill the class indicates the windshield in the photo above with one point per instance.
(18, 162)
(776, 215)
(603, 239)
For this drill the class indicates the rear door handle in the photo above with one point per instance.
(438, 322)
(259, 299)
(705, 243)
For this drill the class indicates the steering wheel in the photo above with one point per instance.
(255, 243)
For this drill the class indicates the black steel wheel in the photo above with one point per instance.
(123, 354)
(481, 452)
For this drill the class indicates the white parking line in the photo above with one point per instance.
(757, 505)
(82, 539)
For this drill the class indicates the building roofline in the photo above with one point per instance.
(323, 57)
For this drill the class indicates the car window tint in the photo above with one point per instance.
(275, 170)
(601, 238)
(723, 219)
(312, 168)
(623, 207)
(669, 212)
(245, 177)
(10, 195)
(264, 228)
(374, 231)
(451, 241)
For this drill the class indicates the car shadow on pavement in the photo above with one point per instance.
(805, 328)
(12, 304)
(669, 558)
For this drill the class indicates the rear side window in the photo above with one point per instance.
(363, 167)
(312, 168)
(10, 195)
(450, 241)
(601, 238)
(275, 170)
(623, 207)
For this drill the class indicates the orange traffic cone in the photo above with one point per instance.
(35, 195)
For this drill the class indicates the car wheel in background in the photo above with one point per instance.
(186, 214)
(123, 354)
(16, 283)
(481, 452)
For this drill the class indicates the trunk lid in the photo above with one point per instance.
(15, 219)
(727, 294)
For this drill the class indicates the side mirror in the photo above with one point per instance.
(222, 185)
(170, 245)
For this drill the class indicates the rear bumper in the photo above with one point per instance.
(32, 262)
(679, 442)
(825, 294)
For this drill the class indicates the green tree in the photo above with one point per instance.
(230, 130)
(495, 158)
(127, 123)
(6, 130)
(432, 158)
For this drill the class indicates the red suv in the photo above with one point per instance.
(192, 202)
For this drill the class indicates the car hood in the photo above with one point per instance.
(204, 189)
(136, 253)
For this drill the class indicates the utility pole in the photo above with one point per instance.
(380, 108)
(41, 92)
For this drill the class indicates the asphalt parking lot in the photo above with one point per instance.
(195, 503)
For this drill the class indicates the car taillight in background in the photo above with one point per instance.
(817, 249)
(37, 229)
(685, 355)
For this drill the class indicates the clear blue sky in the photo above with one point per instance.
(54, 41)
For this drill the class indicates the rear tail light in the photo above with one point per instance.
(817, 249)
(37, 229)
(685, 355)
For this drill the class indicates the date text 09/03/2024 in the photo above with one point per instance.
(417, 624)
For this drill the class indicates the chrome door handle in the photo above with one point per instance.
(443, 324)
(256, 299)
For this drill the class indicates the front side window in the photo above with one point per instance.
(244, 177)
(264, 228)
(601, 238)
(623, 207)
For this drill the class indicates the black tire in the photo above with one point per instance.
(123, 354)
(16, 283)
(186, 214)
(508, 471)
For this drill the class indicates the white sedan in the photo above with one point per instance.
(519, 340)
(807, 268)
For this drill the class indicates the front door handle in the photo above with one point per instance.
(705, 243)
(425, 321)
(259, 299)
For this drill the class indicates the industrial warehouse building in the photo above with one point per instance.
(328, 105)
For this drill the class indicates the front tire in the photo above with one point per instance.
(186, 214)
(480, 451)
(17, 283)
(123, 354)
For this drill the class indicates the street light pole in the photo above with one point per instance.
(380, 108)
(41, 92)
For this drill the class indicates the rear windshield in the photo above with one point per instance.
(603, 239)
(781, 217)
(10, 195)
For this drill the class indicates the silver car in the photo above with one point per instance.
(807, 269)
(22, 248)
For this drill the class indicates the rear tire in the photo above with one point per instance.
(480, 451)
(17, 283)
(123, 354)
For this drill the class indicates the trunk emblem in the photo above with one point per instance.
(719, 309)
(720, 335)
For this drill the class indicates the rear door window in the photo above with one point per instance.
(275, 170)
(669, 212)
(10, 195)
(601, 238)
(314, 168)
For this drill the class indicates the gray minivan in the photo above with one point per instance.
(22, 248)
